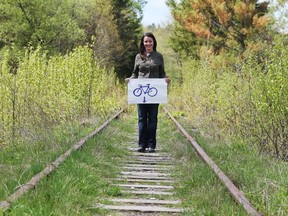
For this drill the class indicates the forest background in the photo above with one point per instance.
(62, 64)
(65, 61)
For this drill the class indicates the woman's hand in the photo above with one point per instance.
(167, 80)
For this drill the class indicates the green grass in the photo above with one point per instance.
(77, 186)
(28, 156)
(197, 186)
(84, 180)
(263, 180)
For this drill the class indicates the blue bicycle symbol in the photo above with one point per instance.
(146, 89)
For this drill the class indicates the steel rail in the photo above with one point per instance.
(34, 181)
(234, 191)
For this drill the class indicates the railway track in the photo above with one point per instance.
(146, 180)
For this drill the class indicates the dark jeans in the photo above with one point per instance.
(147, 124)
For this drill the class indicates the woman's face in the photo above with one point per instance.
(148, 44)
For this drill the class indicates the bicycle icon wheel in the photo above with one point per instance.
(137, 92)
(152, 92)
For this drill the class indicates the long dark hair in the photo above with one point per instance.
(142, 48)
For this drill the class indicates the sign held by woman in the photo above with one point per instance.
(147, 91)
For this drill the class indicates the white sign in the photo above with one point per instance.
(141, 91)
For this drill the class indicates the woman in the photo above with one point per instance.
(148, 64)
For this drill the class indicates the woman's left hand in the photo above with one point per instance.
(167, 80)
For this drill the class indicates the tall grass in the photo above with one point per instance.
(195, 183)
(19, 162)
(228, 98)
(83, 181)
(44, 91)
(261, 179)
(47, 104)
(238, 109)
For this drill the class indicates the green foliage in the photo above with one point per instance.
(184, 43)
(79, 184)
(247, 100)
(102, 32)
(45, 91)
(127, 15)
(47, 22)
(270, 101)
(111, 28)
(232, 95)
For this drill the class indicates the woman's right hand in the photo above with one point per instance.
(127, 80)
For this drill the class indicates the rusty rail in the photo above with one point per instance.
(34, 181)
(234, 191)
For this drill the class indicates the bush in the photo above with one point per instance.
(47, 91)
(227, 97)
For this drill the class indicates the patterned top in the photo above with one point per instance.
(150, 67)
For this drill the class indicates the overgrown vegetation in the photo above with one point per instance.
(26, 158)
(59, 68)
(61, 61)
(111, 28)
(57, 90)
(85, 180)
(60, 64)
(228, 94)
(82, 182)
(247, 103)
(261, 179)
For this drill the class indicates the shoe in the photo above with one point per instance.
(141, 149)
(151, 150)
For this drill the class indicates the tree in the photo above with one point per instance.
(128, 16)
(95, 17)
(222, 24)
(31, 22)
(111, 28)
(61, 26)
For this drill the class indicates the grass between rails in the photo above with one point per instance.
(263, 180)
(30, 155)
(83, 180)
(77, 185)
(196, 185)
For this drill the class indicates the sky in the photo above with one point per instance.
(156, 11)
